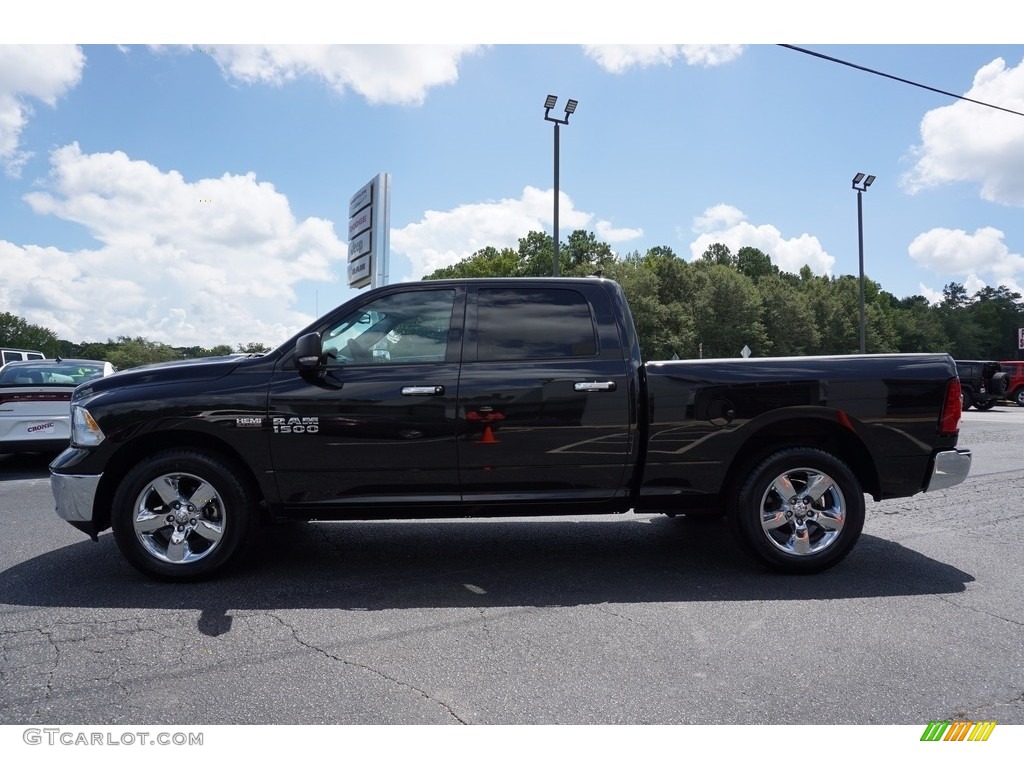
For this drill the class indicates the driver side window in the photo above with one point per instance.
(399, 328)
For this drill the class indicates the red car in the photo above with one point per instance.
(1015, 387)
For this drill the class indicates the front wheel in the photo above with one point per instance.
(1018, 396)
(181, 515)
(801, 510)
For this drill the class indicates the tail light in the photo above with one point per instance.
(949, 418)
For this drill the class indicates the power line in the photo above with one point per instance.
(899, 79)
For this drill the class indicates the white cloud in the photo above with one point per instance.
(392, 74)
(718, 217)
(969, 142)
(933, 296)
(442, 238)
(609, 234)
(976, 260)
(40, 72)
(619, 58)
(727, 225)
(973, 284)
(954, 251)
(212, 261)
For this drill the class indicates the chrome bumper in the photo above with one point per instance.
(74, 495)
(951, 468)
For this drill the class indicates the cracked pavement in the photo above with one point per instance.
(631, 619)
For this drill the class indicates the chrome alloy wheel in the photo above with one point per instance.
(803, 511)
(179, 518)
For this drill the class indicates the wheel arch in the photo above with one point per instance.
(830, 436)
(134, 451)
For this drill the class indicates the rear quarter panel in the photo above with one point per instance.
(880, 413)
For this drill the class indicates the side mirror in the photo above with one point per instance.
(308, 350)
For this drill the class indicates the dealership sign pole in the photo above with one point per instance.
(369, 233)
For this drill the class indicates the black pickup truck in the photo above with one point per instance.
(499, 397)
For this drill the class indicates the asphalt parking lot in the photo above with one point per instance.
(630, 619)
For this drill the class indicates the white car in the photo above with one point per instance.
(35, 402)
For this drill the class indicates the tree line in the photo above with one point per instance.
(710, 307)
(123, 352)
(721, 302)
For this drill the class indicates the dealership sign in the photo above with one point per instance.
(369, 223)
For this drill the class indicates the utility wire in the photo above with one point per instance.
(900, 79)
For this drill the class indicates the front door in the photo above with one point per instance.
(375, 424)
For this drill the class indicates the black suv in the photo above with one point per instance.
(982, 383)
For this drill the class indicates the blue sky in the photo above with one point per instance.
(197, 192)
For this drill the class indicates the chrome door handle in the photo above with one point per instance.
(594, 386)
(426, 391)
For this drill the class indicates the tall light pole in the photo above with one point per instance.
(570, 107)
(861, 184)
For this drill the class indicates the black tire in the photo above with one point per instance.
(789, 530)
(1018, 396)
(999, 384)
(985, 406)
(967, 400)
(183, 515)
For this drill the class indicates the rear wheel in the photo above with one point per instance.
(985, 406)
(967, 400)
(1018, 396)
(182, 515)
(801, 510)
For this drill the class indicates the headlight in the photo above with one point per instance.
(85, 432)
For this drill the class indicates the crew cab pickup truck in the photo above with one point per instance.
(499, 397)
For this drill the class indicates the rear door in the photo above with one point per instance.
(544, 396)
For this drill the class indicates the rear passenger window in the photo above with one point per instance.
(533, 324)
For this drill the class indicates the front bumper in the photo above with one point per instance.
(950, 468)
(75, 495)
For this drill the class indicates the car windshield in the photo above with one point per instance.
(59, 375)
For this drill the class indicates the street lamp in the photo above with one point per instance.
(861, 184)
(570, 107)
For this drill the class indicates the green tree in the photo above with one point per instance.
(965, 334)
(19, 333)
(918, 326)
(726, 312)
(127, 352)
(755, 263)
(834, 304)
(788, 318)
(664, 328)
(487, 262)
(253, 347)
(585, 254)
(535, 254)
(954, 296)
(717, 253)
(999, 312)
